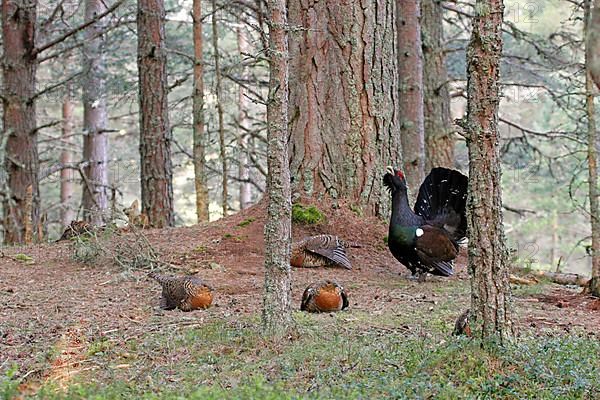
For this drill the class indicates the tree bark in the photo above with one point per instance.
(410, 71)
(219, 95)
(439, 141)
(277, 304)
(155, 134)
(343, 100)
(21, 206)
(67, 183)
(592, 145)
(488, 255)
(95, 118)
(592, 44)
(244, 127)
(200, 180)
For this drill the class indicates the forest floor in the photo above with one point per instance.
(82, 329)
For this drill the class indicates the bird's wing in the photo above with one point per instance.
(330, 247)
(436, 244)
(306, 298)
(344, 299)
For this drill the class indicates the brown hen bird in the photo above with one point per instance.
(184, 292)
(324, 296)
(75, 229)
(321, 251)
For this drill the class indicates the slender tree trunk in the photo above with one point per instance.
(410, 71)
(67, 183)
(95, 118)
(439, 141)
(155, 134)
(592, 152)
(200, 180)
(218, 90)
(277, 307)
(243, 169)
(343, 100)
(592, 44)
(22, 204)
(488, 255)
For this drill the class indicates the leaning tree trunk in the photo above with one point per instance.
(67, 185)
(277, 307)
(243, 142)
(155, 134)
(589, 33)
(95, 118)
(21, 205)
(488, 255)
(439, 141)
(219, 99)
(343, 100)
(410, 71)
(200, 180)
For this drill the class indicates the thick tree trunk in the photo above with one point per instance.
(488, 255)
(95, 119)
(410, 71)
(22, 204)
(244, 127)
(219, 95)
(67, 183)
(277, 307)
(343, 100)
(155, 134)
(592, 147)
(439, 141)
(200, 180)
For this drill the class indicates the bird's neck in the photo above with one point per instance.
(401, 212)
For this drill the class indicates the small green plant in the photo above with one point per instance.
(24, 258)
(227, 236)
(385, 239)
(98, 347)
(85, 249)
(9, 385)
(308, 215)
(246, 222)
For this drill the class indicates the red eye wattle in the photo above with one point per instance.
(400, 174)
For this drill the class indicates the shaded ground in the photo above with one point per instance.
(55, 313)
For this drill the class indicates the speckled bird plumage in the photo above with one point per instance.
(75, 229)
(324, 296)
(321, 251)
(184, 292)
(461, 326)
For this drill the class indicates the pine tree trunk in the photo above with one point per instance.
(410, 71)
(155, 134)
(343, 100)
(277, 307)
(439, 141)
(95, 119)
(592, 152)
(488, 255)
(219, 95)
(243, 169)
(592, 43)
(67, 185)
(22, 204)
(200, 180)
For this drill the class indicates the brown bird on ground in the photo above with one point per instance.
(324, 296)
(461, 327)
(184, 292)
(75, 229)
(321, 251)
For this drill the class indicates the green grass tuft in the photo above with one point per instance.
(307, 215)
(246, 222)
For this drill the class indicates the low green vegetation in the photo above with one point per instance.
(332, 356)
(246, 222)
(307, 215)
